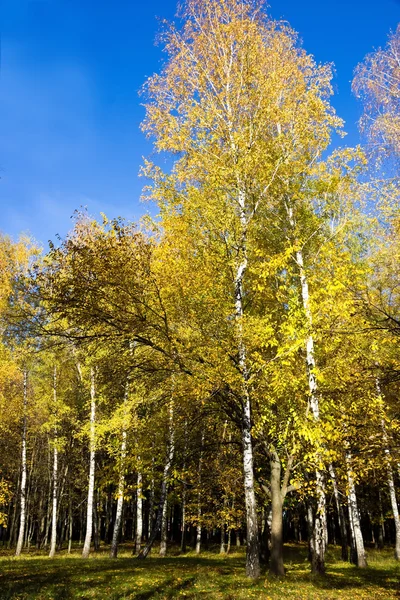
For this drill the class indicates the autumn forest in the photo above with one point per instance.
(221, 378)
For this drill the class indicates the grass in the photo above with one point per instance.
(208, 576)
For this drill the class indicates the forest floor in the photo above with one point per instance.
(208, 576)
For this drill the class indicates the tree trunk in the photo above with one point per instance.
(276, 558)
(70, 524)
(229, 541)
(341, 516)
(163, 543)
(151, 499)
(319, 528)
(354, 516)
(23, 471)
(139, 512)
(222, 544)
(53, 540)
(183, 531)
(310, 529)
(164, 485)
(121, 487)
(48, 513)
(92, 459)
(198, 527)
(183, 526)
(395, 510)
(252, 548)
(96, 538)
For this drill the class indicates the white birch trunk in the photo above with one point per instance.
(70, 525)
(198, 527)
(23, 471)
(92, 463)
(183, 528)
(121, 486)
(395, 510)
(276, 561)
(163, 543)
(252, 548)
(53, 540)
(151, 504)
(354, 516)
(139, 512)
(320, 525)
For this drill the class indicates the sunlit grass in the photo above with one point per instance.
(190, 576)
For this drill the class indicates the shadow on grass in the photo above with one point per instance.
(60, 579)
(341, 576)
(190, 575)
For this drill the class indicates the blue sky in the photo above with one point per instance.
(69, 106)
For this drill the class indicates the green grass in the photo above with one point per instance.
(208, 576)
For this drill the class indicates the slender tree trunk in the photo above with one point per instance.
(310, 529)
(341, 515)
(151, 499)
(163, 544)
(53, 541)
(183, 531)
(222, 544)
(139, 511)
(121, 486)
(23, 470)
(48, 512)
(395, 510)
(183, 528)
(96, 540)
(92, 459)
(354, 516)
(164, 485)
(320, 527)
(198, 526)
(276, 559)
(252, 548)
(70, 525)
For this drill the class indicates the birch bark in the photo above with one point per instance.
(121, 485)
(23, 470)
(319, 526)
(276, 559)
(92, 464)
(198, 526)
(354, 516)
(252, 548)
(163, 544)
(53, 540)
(139, 510)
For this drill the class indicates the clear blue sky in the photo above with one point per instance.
(69, 105)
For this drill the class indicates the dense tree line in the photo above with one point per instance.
(227, 372)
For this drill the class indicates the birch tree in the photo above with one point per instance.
(23, 468)
(92, 464)
(377, 84)
(228, 100)
(55, 474)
